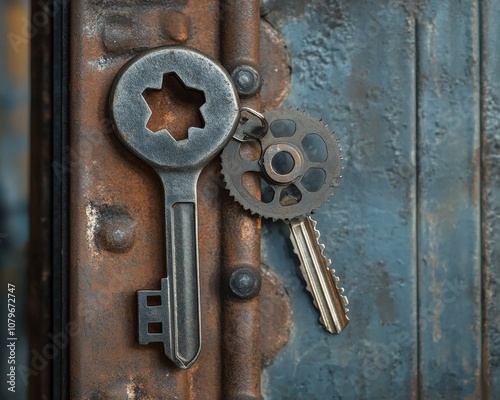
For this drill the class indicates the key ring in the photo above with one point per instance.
(242, 136)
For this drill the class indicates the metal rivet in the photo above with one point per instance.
(246, 80)
(116, 229)
(117, 235)
(245, 283)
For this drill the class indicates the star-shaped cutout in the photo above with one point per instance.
(174, 107)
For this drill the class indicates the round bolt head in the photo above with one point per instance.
(245, 283)
(116, 229)
(246, 79)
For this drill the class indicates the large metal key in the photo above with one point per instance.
(299, 167)
(172, 315)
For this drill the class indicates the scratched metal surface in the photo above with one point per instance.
(399, 82)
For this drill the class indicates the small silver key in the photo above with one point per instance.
(299, 167)
(178, 164)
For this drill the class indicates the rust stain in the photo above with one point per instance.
(275, 68)
(276, 315)
(241, 323)
(385, 301)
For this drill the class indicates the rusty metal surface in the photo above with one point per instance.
(363, 81)
(275, 68)
(240, 34)
(241, 232)
(106, 360)
(275, 315)
(116, 202)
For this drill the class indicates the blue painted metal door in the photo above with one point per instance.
(412, 90)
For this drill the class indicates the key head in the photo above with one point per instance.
(299, 166)
(130, 112)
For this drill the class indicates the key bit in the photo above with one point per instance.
(320, 279)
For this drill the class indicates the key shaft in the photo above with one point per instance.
(180, 315)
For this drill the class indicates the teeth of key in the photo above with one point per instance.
(320, 279)
(293, 189)
(174, 317)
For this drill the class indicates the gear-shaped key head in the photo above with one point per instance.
(309, 177)
(130, 112)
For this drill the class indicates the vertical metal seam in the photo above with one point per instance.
(60, 199)
(417, 199)
(479, 126)
(485, 390)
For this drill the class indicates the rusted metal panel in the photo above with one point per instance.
(275, 314)
(107, 180)
(274, 68)
(490, 145)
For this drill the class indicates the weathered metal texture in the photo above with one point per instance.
(448, 216)
(241, 232)
(399, 82)
(274, 68)
(353, 64)
(240, 34)
(106, 360)
(275, 315)
(490, 142)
